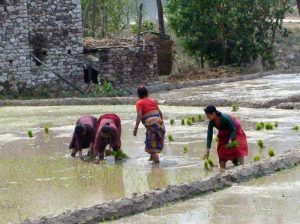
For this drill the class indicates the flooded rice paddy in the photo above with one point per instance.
(38, 177)
(268, 200)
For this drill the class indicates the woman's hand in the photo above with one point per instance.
(206, 156)
(135, 131)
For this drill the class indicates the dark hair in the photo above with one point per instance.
(79, 129)
(106, 129)
(212, 109)
(142, 92)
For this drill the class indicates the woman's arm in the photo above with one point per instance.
(230, 125)
(137, 122)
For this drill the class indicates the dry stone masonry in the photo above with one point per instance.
(49, 29)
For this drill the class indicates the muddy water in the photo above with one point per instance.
(257, 90)
(268, 200)
(38, 177)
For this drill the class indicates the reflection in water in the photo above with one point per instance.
(37, 176)
(157, 178)
(267, 200)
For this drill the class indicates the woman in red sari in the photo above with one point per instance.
(229, 130)
(149, 113)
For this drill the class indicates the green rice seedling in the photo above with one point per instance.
(201, 117)
(211, 162)
(262, 125)
(276, 124)
(120, 155)
(235, 107)
(193, 119)
(172, 121)
(29, 133)
(170, 137)
(182, 122)
(271, 152)
(206, 165)
(233, 144)
(189, 122)
(256, 158)
(258, 126)
(269, 126)
(46, 128)
(185, 149)
(261, 144)
(295, 128)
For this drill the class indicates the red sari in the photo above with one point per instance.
(241, 150)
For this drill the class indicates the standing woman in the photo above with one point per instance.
(229, 129)
(149, 113)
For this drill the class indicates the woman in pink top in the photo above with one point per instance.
(149, 113)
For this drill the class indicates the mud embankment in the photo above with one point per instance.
(157, 198)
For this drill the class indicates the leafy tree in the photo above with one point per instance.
(228, 31)
(102, 17)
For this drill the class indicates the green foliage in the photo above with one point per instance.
(170, 137)
(262, 125)
(271, 152)
(102, 18)
(193, 119)
(233, 144)
(189, 121)
(276, 124)
(261, 144)
(295, 128)
(185, 149)
(29, 133)
(235, 107)
(106, 89)
(172, 121)
(226, 31)
(146, 26)
(256, 158)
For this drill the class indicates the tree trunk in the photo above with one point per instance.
(298, 5)
(140, 20)
(160, 13)
(94, 19)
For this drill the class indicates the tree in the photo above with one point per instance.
(102, 17)
(160, 13)
(228, 31)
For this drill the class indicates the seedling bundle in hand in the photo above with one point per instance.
(233, 144)
(208, 163)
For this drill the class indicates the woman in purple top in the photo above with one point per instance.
(84, 135)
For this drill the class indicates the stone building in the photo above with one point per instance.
(49, 29)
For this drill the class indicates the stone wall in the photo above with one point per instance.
(52, 30)
(128, 66)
